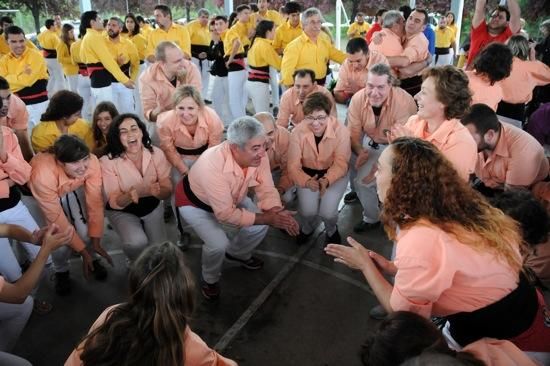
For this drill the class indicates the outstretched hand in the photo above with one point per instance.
(355, 256)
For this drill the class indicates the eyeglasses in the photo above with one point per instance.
(319, 119)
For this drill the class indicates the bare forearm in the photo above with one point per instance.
(380, 286)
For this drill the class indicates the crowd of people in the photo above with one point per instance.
(229, 121)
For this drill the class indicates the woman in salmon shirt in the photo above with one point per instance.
(186, 132)
(136, 177)
(456, 255)
(152, 327)
(318, 157)
(491, 65)
(104, 114)
(66, 183)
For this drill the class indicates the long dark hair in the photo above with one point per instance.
(136, 26)
(114, 146)
(100, 108)
(63, 104)
(65, 35)
(262, 28)
(149, 329)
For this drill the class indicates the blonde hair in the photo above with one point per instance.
(185, 91)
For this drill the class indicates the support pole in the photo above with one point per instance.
(228, 6)
(85, 5)
(339, 7)
(457, 7)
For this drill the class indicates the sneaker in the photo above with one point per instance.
(378, 313)
(302, 238)
(100, 273)
(252, 263)
(62, 283)
(350, 197)
(184, 241)
(363, 226)
(334, 238)
(210, 291)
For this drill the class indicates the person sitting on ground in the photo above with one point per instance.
(104, 114)
(152, 327)
(456, 255)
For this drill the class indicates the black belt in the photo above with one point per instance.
(12, 200)
(321, 81)
(442, 50)
(191, 196)
(197, 151)
(315, 172)
(144, 207)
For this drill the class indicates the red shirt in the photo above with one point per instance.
(375, 28)
(480, 37)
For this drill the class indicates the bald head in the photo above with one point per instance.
(268, 121)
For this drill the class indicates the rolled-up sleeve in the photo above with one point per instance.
(355, 125)
(15, 166)
(342, 154)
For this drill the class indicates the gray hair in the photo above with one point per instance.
(383, 69)
(203, 11)
(308, 13)
(546, 26)
(519, 45)
(118, 20)
(244, 129)
(391, 18)
(160, 50)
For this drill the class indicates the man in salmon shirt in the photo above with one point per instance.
(214, 193)
(508, 156)
(13, 114)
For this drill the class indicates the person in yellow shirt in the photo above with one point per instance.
(84, 87)
(144, 27)
(311, 50)
(6, 22)
(102, 67)
(49, 40)
(70, 68)
(444, 42)
(126, 55)
(58, 24)
(289, 30)
(199, 32)
(167, 31)
(61, 118)
(264, 13)
(132, 30)
(235, 45)
(359, 28)
(261, 58)
(26, 72)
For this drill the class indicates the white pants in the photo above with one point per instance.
(56, 80)
(274, 83)
(442, 60)
(238, 97)
(137, 99)
(367, 193)
(13, 318)
(104, 94)
(259, 93)
(136, 233)
(204, 70)
(84, 88)
(311, 206)
(210, 89)
(290, 194)
(9, 265)
(72, 81)
(216, 242)
(220, 99)
(123, 98)
(74, 207)
(35, 113)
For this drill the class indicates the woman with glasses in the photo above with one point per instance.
(318, 158)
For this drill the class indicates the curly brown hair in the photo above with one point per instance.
(425, 187)
(451, 86)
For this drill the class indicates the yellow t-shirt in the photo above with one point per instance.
(46, 133)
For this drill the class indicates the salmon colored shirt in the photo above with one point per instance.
(397, 108)
(217, 180)
(517, 160)
(452, 139)
(498, 352)
(197, 353)
(155, 89)
(483, 91)
(278, 156)
(332, 153)
(291, 108)
(15, 167)
(172, 132)
(524, 77)
(49, 183)
(17, 117)
(416, 47)
(351, 81)
(120, 174)
(437, 275)
(390, 45)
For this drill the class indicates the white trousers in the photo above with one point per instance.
(290, 194)
(442, 60)
(84, 88)
(238, 97)
(9, 265)
(136, 233)
(210, 89)
(367, 193)
(123, 98)
(35, 113)
(204, 69)
(274, 83)
(312, 206)
(216, 242)
(220, 99)
(104, 94)
(259, 93)
(137, 100)
(13, 318)
(72, 82)
(56, 80)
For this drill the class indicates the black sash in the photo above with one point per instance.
(315, 172)
(191, 196)
(144, 207)
(12, 200)
(197, 151)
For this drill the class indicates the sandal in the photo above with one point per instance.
(41, 307)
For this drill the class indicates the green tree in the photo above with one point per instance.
(65, 8)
